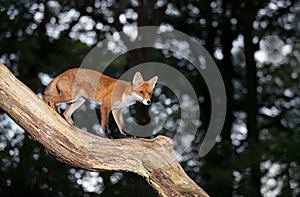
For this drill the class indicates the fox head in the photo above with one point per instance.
(143, 90)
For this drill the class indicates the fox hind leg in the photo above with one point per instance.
(53, 105)
(71, 108)
(63, 98)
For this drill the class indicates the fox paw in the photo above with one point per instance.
(127, 135)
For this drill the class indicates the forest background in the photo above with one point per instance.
(255, 45)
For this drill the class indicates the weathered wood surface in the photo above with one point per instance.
(152, 159)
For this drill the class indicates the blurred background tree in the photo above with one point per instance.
(255, 45)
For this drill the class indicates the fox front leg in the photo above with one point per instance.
(117, 113)
(104, 121)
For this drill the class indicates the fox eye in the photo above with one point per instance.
(141, 92)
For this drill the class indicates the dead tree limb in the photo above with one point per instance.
(152, 159)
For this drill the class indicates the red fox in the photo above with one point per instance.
(76, 85)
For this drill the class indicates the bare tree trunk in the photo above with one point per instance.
(152, 159)
(252, 101)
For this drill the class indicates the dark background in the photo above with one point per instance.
(255, 45)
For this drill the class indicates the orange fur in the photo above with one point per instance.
(76, 85)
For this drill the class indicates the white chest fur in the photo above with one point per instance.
(125, 102)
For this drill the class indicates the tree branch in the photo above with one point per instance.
(152, 159)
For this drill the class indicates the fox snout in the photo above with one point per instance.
(146, 102)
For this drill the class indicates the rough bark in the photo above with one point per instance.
(152, 159)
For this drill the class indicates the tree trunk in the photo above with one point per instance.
(152, 159)
(252, 109)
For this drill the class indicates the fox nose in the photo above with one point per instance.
(148, 102)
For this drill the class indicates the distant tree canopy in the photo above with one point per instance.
(255, 45)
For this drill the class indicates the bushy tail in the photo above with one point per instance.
(51, 91)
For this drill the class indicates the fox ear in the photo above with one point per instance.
(137, 79)
(153, 81)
